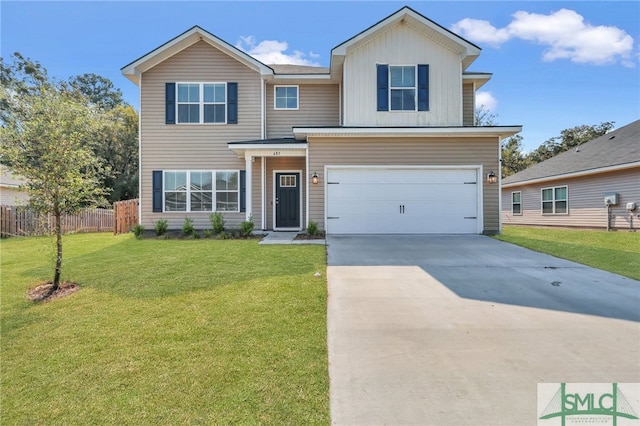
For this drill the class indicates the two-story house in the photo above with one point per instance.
(382, 141)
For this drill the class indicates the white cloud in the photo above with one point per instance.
(481, 32)
(274, 52)
(487, 100)
(564, 32)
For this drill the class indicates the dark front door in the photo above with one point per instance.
(287, 200)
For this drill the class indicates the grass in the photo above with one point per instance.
(617, 252)
(164, 332)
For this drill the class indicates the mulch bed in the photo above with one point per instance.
(36, 294)
(306, 236)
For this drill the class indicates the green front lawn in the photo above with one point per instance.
(165, 332)
(617, 252)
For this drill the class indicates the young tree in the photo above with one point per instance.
(45, 140)
(484, 117)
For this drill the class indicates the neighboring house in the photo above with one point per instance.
(382, 141)
(572, 188)
(10, 192)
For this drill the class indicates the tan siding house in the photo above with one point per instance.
(383, 141)
(571, 189)
(10, 192)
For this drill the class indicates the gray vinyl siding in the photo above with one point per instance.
(284, 163)
(194, 146)
(318, 105)
(586, 201)
(405, 152)
(468, 104)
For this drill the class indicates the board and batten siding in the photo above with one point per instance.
(194, 146)
(402, 45)
(318, 105)
(405, 152)
(586, 201)
(468, 104)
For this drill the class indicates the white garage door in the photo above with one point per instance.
(402, 200)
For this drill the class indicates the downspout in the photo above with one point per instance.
(140, 153)
(264, 192)
(499, 183)
(308, 186)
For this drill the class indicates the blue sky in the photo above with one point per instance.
(556, 64)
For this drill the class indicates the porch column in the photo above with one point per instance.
(248, 193)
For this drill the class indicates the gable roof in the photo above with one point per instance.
(468, 51)
(297, 69)
(134, 70)
(617, 149)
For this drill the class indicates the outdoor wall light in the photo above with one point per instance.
(314, 178)
(491, 177)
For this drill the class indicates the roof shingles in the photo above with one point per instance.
(622, 146)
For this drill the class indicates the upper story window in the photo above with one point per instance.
(402, 87)
(554, 200)
(286, 97)
(202, 102)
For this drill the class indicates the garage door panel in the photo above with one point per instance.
(398, 200)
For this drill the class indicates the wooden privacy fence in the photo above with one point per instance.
(21, 221)
(125, 215)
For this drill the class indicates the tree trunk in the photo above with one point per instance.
(56, 276)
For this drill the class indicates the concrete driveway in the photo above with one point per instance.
(459, 330)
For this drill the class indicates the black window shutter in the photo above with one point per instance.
(157, 191)
(243, 190)
(423, 87)
(232, 103)
(170, 97)
(382, 85)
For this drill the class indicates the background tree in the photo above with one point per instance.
(484, 117)
(46, 142)
(513, 158)
(100, 91)
(569, 138)
(115, 142)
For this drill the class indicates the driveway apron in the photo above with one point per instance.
(460, 330)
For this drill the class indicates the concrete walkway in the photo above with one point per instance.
(459, 330)
(278, 237)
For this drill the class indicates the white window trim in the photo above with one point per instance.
(297, 97)
(520, 203)
(415, 87)
(554, 201)
(202, 103)
(214, 191)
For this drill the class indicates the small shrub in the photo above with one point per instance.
(138, 231)
(312, 228)
(246, 227)
(161, 227)
(207, 233)
(217, 222)
(196, 235)
(187, 227)
(223, 236)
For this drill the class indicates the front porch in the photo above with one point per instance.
(277, 183)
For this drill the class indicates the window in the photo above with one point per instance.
(286, 97)
(227, 191)
(516, 204)
(194, 191)
(287, 181)
(201, 102)
(554, 200)
(175, 191)
(402, 87)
